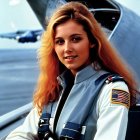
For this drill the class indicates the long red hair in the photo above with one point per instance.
(47, 88)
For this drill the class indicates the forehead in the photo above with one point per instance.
(69, 27)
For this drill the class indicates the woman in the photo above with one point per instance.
(80, 93)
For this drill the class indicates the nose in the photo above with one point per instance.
(67, 47)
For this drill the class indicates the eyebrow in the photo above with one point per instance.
(76, 34)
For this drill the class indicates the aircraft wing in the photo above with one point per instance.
(11, 35)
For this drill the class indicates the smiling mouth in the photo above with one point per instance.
(70, 57)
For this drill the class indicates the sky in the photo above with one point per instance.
(17, 14)
(132, 4)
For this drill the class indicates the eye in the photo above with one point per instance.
(76, 39)
(59, 41)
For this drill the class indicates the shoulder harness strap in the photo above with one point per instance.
(114, 78)
(44, 132)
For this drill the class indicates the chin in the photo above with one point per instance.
(70, 67)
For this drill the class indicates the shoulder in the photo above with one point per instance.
(120, 85)
(28, 130)
(114, 94)
(32, 117)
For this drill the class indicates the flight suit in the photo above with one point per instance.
(107, 115)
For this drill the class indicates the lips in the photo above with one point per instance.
(70, 57)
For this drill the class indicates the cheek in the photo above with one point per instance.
(58, 52)
(85, 51)
(87, 55)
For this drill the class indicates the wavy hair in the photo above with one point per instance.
(103, 53)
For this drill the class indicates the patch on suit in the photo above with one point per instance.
(120, 97)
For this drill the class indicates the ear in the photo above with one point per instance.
(92, 45)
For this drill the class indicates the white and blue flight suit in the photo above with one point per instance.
(93, 110)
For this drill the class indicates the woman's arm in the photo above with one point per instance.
(112, 110)
(28, 130)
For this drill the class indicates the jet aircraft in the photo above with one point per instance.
(23, 36)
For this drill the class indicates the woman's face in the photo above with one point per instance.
(72, 46)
